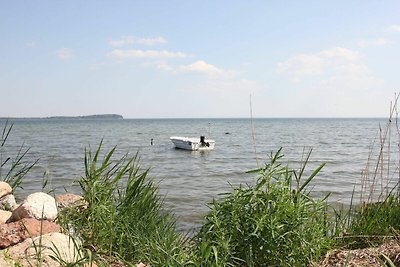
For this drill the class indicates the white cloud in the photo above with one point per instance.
(303, 64)
(164, 67)
(317, 63)
(130, 40)
(335, 69)
(202, 67)
(352, 76)
(394, 28)
(376, 42)
(213, 78)
(152, 54)
(160, 64)
(225, 85)
(64, 53)
(199, 66)
(340, 53)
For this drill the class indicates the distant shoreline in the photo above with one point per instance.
(120, 117)
(90, 117)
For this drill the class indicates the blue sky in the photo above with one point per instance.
(194, 59)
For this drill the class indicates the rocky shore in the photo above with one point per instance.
(30, 234)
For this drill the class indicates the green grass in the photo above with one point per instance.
(376, 216)
(125, 216)
(13, 168)
(368, 224)
(273, 223)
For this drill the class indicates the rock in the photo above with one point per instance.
(11, 234)
(5, 189)
(56, 245)
(5, 262)
(36, 227)
(369, 256)
(16, 232)
(7, 202)
(4, 216)
(70, 200)
(37, 205)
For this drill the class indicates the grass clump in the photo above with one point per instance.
(124, 217)
(376, 216)
(273, 223)
(370, 224)
(13, 168)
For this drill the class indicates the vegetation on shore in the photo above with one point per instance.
(268, 224)
(124, 217)
(274, 222)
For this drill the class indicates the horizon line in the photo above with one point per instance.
(166, 118)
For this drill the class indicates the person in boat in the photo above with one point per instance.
(203, 142)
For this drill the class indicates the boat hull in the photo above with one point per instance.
(192, 143)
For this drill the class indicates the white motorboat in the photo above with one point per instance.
(193, 143)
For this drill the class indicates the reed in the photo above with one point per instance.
(376, 216)
(125, 218)
(273, 223)
(13, 168)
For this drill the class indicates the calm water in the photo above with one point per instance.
(189, 180)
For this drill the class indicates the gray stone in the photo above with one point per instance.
(7, 202)
(37, 205)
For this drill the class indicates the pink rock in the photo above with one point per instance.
(11, 234)
(35, 227)
(16, 232)
(70, 200)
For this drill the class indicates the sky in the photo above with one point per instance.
(199, 59)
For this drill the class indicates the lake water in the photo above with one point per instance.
(189, 180)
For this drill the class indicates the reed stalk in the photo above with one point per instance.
(273, 223)
(13, 168)
(377, 216)
(125, 216)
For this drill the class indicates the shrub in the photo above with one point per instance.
(124, 217)
(273, 223)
